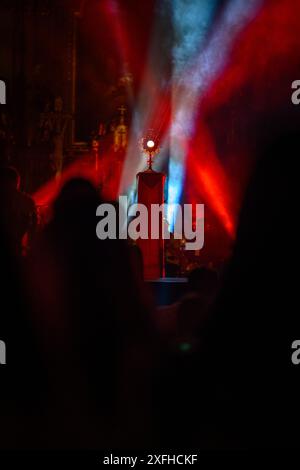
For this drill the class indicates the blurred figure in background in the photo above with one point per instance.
(17, 210)
(23, 378)
(94, 328)
(254, 385)
(185, 317)
(182, 389)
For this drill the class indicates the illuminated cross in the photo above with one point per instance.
(122, 109)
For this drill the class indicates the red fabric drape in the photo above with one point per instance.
(151, 191)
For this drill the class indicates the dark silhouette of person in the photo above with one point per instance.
(251, 387)
(23, 377)
(17, 210)
(253, 381)
(181, 389)
(94, 326)
(186, 316)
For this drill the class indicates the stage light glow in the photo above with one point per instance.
(213, 58)
(189, 32)
(175, 182)
(197, 63)
(190, 86)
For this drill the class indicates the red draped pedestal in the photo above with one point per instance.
(151, 191)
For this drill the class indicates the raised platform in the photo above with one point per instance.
(168, 290)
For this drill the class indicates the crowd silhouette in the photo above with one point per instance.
(93, 364)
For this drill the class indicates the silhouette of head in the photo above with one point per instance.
(9, 177)
(78, 198)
